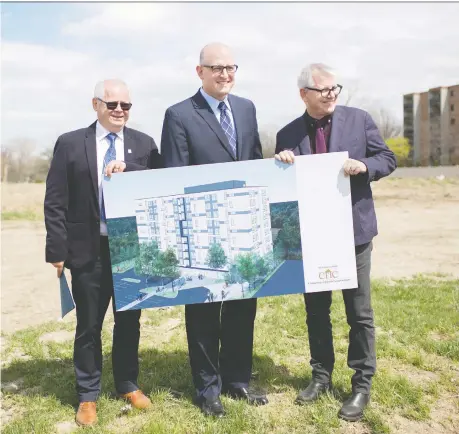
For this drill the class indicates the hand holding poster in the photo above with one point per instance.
(229, 231)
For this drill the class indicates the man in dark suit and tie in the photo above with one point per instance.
(215, 127)
(77, 239)
(325, 127)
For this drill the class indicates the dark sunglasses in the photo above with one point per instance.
(112, 105)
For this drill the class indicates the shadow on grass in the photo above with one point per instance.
(159, 371)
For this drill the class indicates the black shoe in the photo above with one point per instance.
(212, 407)
(253, 397)
(352, 409)
(312, 392)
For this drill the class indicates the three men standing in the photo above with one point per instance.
(212, 126)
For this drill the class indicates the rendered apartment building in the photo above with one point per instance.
(229, 213)
(431, 124)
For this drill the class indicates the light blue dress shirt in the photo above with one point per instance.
(213, 103)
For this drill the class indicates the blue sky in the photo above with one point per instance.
(121, 190)
(54, 53)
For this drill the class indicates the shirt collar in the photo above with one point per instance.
(102, 132)
(213, 102)
(317, 123)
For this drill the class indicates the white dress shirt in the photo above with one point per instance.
(217, 112)
(102, 147)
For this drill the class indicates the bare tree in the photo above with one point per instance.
(6, 162)
(41, 165)
(268, 140)
(350, 95)
(387, 125)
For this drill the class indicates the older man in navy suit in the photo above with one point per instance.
(215, 127)
(76, 236)
(326, 127)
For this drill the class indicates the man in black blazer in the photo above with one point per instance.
(215, 127)
(77, 239)
(325, 127)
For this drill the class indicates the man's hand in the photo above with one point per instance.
(354, 167)
(114, 166)
(285, 157)
(59, 266)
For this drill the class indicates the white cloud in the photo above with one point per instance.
(125, 20)
(384, 49)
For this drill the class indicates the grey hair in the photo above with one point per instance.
(99, 90)
(305, 78)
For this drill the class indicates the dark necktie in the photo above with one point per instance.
(225, 122)
(110, 155)
(321, 146)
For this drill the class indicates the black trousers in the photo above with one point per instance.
(361, 352)
(229, 324)
(92, 288)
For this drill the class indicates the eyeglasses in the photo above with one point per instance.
(327, 91)
(218, 69)
(112, 105)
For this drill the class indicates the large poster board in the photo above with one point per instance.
(229, 231)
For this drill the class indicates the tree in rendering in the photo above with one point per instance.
(216, 257)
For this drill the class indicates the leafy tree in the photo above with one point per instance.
(145, 263)
(261, 266)
(246, 265)
(216, 257)
(233, 275)
(290, 238)
(166, 265)
(400, 146)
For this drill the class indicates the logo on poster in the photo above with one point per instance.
(328, 273)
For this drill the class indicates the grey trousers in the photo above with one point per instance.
(361, 351)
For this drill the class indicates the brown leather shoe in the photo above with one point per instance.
(86, 414)
(137, 399)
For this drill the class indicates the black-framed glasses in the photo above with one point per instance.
(218, 69)
(112, 105)
(325, 92)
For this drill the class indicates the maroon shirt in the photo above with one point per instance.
(311, 126)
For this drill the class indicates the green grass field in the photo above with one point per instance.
(415, 390)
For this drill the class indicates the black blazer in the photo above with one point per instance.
(72, 214)
(192, 135)
(353, 130)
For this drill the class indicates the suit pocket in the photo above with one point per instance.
(142, 160)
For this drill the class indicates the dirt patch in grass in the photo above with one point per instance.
(415, 375)
(58, 336)
(444, 420)
(162, 333)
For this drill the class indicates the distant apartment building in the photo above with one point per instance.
(228, 213)
(431, 124)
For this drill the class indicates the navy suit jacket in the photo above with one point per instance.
(353, 130)
(192, 135)
(72, 213)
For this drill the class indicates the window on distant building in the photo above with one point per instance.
(453, 121)
(452, 107)
(451, 93)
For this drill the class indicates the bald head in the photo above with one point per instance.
(111, 90)
(217, 70)
(212, 50)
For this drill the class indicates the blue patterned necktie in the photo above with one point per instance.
(110, 155)
(225, 122)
